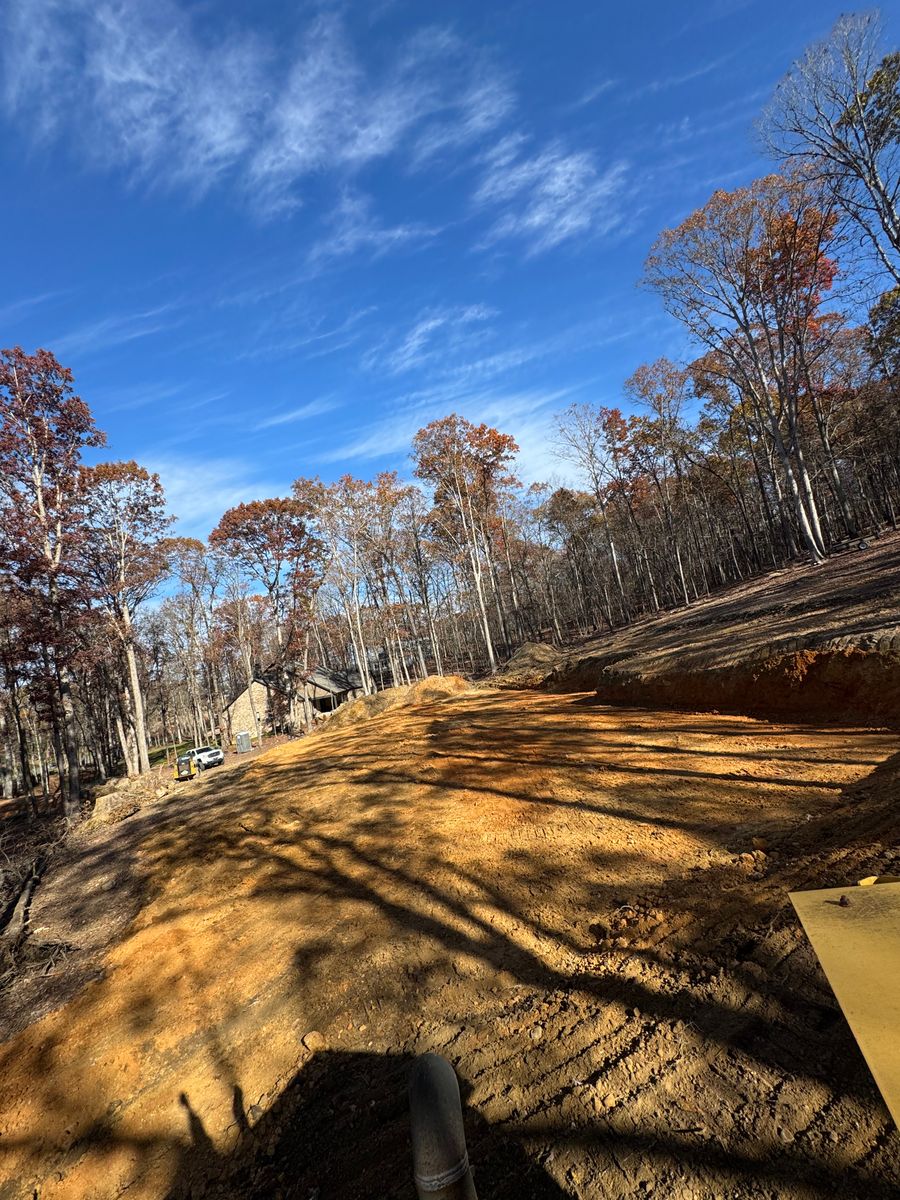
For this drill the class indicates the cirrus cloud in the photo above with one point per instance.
(176, 103)
(547, 197)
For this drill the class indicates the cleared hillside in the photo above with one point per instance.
(818, 642)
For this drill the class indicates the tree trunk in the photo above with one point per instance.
(137, 699)
(72, 797)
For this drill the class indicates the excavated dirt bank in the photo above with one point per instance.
(806, 643)
(585, 908)
(821, 685)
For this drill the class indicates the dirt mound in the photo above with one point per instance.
(434, 687)
(529, 667)
(364, 707)
(437, 687)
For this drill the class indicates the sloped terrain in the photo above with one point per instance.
(805, 642)
(585, 908)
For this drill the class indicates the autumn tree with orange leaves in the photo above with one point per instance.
(468, 466)
(44, 426)
(272, 541)
(747, 274)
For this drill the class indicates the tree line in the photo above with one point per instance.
(780, 438)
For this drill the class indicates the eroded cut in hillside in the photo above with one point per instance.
(802, 643)
(583, 907)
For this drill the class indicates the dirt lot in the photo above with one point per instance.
(565, 899)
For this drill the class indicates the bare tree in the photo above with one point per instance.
(838, 112)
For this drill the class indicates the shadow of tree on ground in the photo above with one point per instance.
(504, 881)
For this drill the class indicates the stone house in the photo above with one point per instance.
(325, 690)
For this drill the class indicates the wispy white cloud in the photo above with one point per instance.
(327, 114)
(437, 334)
(341, 329)
(546, 198)
(135, 87)
(172, 99)
(592, 93)
(538, 460)
(160, 92)
(295, 332)
(354, 228)
(112, 331)
(197, 402)
(457, 347)
(492, 387)
(333, 114)
(712, 11)
(526, 413)
(312, 408)
(166, 396)
(199, 491)
(134, 396)
(581, 336)
(17, 309)
(483, 105)
(679, 78)
(699, 127)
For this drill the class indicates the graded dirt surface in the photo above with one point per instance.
(584, 908)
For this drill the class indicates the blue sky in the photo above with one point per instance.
(275, 239)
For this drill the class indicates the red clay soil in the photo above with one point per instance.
(584, 908)
(808, 643)
(827, 685)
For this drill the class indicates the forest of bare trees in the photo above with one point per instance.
(779, 438)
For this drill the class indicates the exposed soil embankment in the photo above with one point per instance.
(830, 684)
(808, 643)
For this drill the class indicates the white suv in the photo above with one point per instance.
(207, 756)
